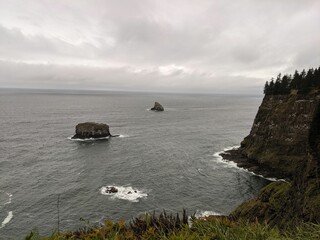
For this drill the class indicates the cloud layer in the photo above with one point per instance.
(178, 46)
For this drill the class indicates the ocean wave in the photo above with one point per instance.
(6, 195)
(9, 198)
(123, 136)
(10, 213)
(202, 213)
(125, 193)
(200, 171)
(7, 219)
(88, 139)
(231, 164)
(268, 178)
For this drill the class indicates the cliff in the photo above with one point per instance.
(284, 142)
(279, 138)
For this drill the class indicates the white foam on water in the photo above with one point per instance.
(125, 193)
(270, 179)
(9, 198)
(228, 164)
(7, 219)
(87, 139)
(9, 195)
(202, 213)
(231, 164)
(123, 136)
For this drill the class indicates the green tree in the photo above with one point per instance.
(295, 79)
(284, 86)
(266, 89)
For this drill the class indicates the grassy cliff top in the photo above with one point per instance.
(171, 227)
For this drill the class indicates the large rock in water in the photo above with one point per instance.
(157, 107)
(92, 130)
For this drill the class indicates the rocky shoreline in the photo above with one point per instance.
(284, 143)
(251, 165)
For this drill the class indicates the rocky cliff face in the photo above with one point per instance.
(285, 140)
(281, 132)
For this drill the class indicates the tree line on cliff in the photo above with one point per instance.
(303, 82)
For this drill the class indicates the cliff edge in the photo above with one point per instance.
(284, 142)
(280, 138)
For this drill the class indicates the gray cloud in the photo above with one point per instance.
(206, 46)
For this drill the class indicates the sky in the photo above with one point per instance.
(199, 46)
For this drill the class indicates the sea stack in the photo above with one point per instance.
(157, 107)
(91, 130)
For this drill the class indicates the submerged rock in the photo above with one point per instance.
(157, 107)
(91, 130)
(111, 190)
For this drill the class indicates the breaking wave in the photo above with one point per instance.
(10, 213)
(231, 164)
(201, 213)
(7, 219)
(9, 198)
(228, 164)
(123, 136)
(125, 193)
(87, 139)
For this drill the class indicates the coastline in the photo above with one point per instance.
(251, 165)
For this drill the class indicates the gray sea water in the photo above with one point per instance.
(169, 158)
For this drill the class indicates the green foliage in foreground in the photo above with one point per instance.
(172, 227)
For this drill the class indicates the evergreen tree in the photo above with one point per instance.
(304, 82)
(266, 89)
(316, 77)
(295, 79)
(271, 87)
(284, 86)
(277, 85)
(303, 86)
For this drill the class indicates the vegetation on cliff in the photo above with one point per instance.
(302, 82)
(285, 140)
(174, 227)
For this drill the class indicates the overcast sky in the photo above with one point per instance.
(213, 46)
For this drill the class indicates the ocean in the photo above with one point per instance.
(162, 160)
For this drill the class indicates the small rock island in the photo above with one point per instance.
(111, 189)
(157, 107)
(91, 130)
